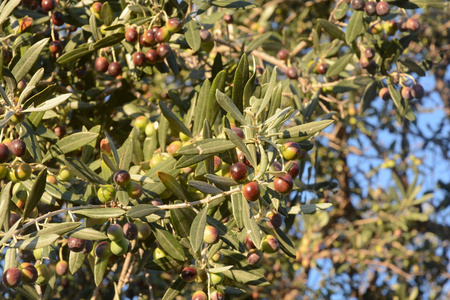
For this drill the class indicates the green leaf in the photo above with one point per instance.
(176, 124)
(250, 224)
(182, 220)
(236, 4)
(163, 264)
(245, 277)
(201, 107)
(125, 152)
(40, 97)
(76, 260)
(302, 132)
(75, 54)
(28, 291)
(35, 193)
(49, 104)
(241, 146)
(58, 228)
(285, 243)
(198, 229)
(430, 3)
(190, 160)
(212, 108)
(339, 65)
(207, 146)
(5, 197)
(308, 208)
(332, 29)
(175, 289)
(266, 100)
(142, 210)
(80, 169)
(8, 9)
(100, 213)
(9, 234)
(169, 244)
(355, 26)
(26, 62)
(227, 104)
(109, 41)
(219, 180)
(370, 93)
(412, 66)
(192, 34)
(36, 242)
(237, 204)
(341, 11)
(70, 143)
(107, 14)
(204, 187)
(401, 105)
(256, 43)
(174, 186)
(88, 234)
(99, 269)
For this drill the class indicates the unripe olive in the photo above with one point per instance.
(44, 274)
(103, 250)
(120, 247)
(23, 171)
(134, 190)
(65, 174)
(76, 244)
(217, 257)
(211, 235)
(159, 253)
(106, 193)
(173, 147)
(130, 231)
(270, 244)
(115, 232)
(189, 274)
(290, 150)
(3, 171)
(144, 230)
(141, 122)
(122, 178)
(62, 268)
(216, 278)
(12, 278)
(162, 35)
(29, 272)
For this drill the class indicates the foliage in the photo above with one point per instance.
(135, 116)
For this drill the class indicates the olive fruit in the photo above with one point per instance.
(275, 220)
(29, 272)
(199, 295)
(217, 296)
(89, 245)
(12, 277)
(130, 231)
(131, 35)
(152, 56)
(417, 91)
(120, 247)
(44, 274)
(106, 193)
(139, 59)
(96, 7)
(384, 94)
(115, 232)
(134, 190)
(294, 170)
(205, 36)
(358, 4)
(217, 257)
(291, 73)
(18, 147)
(23, 172)
(162, 50)
(369, 53)
(174, 25)
(149, 37)
(211, 235)
(270, 244)
(62, 268)
(383, 8)
(144, 230)
(104, 146)
(103, 249)
(216, 278)
(48, 5)
(141, 122)
(238, 171)
(249, 243)
(412, 24)
(371, 8)
(254, 257)
(251, 191)
(174, 147)
(322, 68)
(55, 47)
(4, 153)
(114, 69)
(162, 35)
(189, 274)
(122, 178)
(283, 54)
(239, 132)
(101, 64)
(406, 93)
(283, 184)
(143, 42)
(76, 244)
(290, 150)
(13, 218)
(228, 19)
(60, 131)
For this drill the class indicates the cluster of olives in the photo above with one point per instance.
(27, 273)
(19, 171)
(122, 178)
(408, 93)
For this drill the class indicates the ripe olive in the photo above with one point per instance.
(139, 59)
(131, 35)
(114, 69)
(254, 257)
(29, 272)
(238, 171)
(48, 5)
(270, 244)
(58, 18)
(122, 178)
(130, 231)
(384, 94)
(358, 4)
(211, 235)
(189, 274)
(62, 268)
(291, 73)
(283, 184)
(251, 191)
(76, 244)
(12, 277)
(103, 249)
(101, 64)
